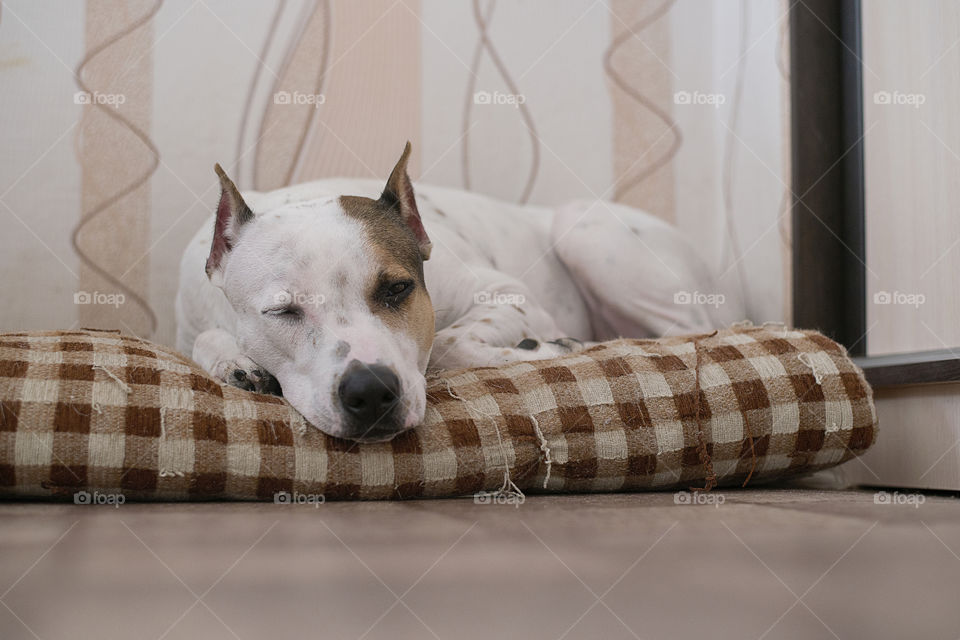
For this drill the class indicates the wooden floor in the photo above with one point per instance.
(761, 564)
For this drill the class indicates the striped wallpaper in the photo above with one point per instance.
(115, 111)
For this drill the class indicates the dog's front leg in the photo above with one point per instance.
(502, 326)
(217, 352)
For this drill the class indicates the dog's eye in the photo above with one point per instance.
(287, 313)
(396, 292)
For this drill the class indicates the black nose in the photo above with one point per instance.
(368, 393)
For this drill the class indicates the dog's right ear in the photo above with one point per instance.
(232, 213)
(399, 194)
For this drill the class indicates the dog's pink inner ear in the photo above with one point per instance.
(232, 212)
(400, 188)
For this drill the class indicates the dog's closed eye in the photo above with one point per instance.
(285, 312)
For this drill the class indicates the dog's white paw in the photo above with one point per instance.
(244, 373)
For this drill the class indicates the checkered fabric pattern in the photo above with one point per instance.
(90, 410)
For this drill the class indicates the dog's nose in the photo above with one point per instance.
(368, 393)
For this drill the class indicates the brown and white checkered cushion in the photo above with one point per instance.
(90, 410)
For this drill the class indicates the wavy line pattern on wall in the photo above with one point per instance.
(288, 134)
(728, 168)
(625, 183)
(484, 43)
(85, 255)
(252, 88)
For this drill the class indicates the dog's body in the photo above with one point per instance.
(506, 282)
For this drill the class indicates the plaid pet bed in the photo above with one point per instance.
(85, 411)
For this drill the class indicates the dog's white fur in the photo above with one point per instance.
(499, 274)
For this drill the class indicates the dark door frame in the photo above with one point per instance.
(829, 248)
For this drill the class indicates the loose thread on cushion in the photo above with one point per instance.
(710, 481)
(508, 487)
(123, 385)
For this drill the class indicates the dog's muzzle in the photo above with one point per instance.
(370, 401)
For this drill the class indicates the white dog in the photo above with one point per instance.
(323, 290)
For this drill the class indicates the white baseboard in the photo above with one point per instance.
(918, 443)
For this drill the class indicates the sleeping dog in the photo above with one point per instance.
(324, 290)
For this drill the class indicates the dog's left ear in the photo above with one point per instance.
(399, 193)
(232, 214)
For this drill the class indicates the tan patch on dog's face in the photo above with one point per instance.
(421, 321)
(398, 261)
(413, 314)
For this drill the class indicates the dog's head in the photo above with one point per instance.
(330, 298)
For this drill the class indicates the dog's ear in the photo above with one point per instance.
(399, 194)
(232, 213)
